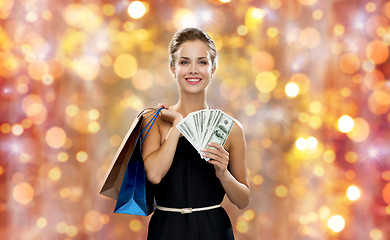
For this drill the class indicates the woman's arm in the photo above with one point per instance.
(158, 157)
(234, 179)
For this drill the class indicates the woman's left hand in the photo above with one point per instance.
(219, 157)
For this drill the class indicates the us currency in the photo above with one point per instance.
(221, 130)
(204, 126)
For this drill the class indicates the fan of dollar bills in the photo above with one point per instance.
(204, 126)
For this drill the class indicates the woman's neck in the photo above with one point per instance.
(190, 102)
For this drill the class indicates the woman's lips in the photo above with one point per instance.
(193, 81)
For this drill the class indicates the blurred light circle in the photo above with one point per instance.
(315, 107)
(374, 79)
(370, 7)
(242, 30)
(379, 102)
(310, 37)
(17, 129)
(336, 223)
(108, 10)
(32, 105)
(377, 51)
(262, 61)
(339, 30)
(351, 157)
(308, 2)
(136, 9)
(368, 65)
(312, 142)
(94, 127)
(386, 193)
(87, 67)
(315, 122)
(41, 222)
(142, 79)
(258, 180)
(242, 226)
(82, 156)
(84, 16)
(125, 66)
(184, 18)
(318, 14)
(301, 143)
(353, 193)
(349, 63)
(258, 13)
(38, 69)
(9, 64)
(374, 23)
(281, 191)
(92, 221)
(55, 173)
(249, 214)
(265, 82)
(135, 225)
(361, 130)
(272, 32)
(345, 124)
(291, 89)
(55, 137)
(376, 234)
(302, 80)
(23, 193)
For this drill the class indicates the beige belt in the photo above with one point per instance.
(187, 210)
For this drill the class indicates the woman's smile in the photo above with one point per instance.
(193, 80)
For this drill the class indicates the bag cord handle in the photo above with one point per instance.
(150, 121)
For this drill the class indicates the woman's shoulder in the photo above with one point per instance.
(237, 129)
(236, 135)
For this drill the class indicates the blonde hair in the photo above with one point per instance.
(191, 34)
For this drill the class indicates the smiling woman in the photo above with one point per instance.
(189, 190)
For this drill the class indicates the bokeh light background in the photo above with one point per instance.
(308, 79)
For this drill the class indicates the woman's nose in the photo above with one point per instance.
(194, 68)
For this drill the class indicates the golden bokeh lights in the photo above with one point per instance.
(136, 9)
(125, 66)
(23, 193)
(266, 82)
(353, 193)
(308, 79)
(345, 123)
(336, 223)
(55, 137)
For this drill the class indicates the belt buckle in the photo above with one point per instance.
(186, 210)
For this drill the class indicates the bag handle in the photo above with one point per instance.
(150, 121)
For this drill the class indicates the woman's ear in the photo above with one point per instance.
(173, 71)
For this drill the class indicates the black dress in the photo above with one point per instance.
(190, 182)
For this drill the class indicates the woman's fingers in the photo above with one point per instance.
(164, 105)
(219, 147)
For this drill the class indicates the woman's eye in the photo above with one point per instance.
(203, 62)
(184, 62)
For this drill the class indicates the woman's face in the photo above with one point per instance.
(193, 67)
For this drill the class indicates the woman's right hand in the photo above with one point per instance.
(169, 115)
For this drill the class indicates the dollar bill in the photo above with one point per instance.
(205, 126)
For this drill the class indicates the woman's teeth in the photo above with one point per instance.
(193, 79)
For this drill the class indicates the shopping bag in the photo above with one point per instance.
(136, 194)
(114, 177)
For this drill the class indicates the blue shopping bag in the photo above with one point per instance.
(136, 196)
